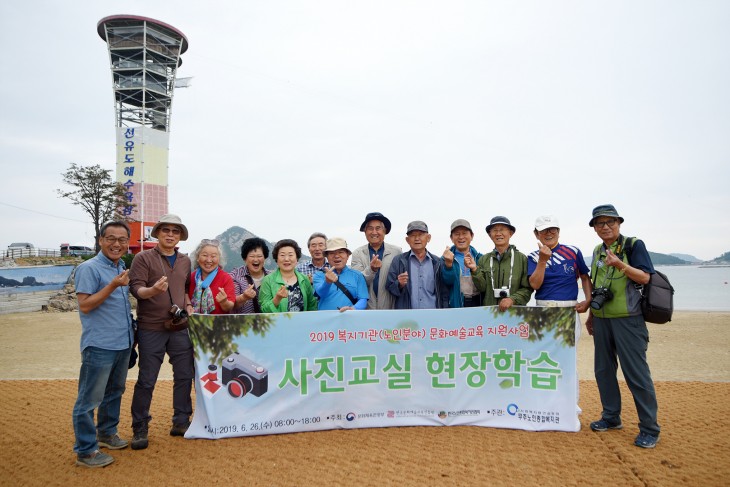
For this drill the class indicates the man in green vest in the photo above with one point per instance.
(618, 328)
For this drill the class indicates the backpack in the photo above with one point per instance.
(657, 296)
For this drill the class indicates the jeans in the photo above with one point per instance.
(152, 348)
(102, 380)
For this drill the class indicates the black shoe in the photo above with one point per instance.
(139, 440)
(179, 429)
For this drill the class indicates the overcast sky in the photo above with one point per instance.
(304, 116)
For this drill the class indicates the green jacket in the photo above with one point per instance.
(271, 283)
(490, 270)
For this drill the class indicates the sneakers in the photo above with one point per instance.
(179, 429)
(604, 425)
(113, 442)
(95, 459)
(645, 440)
(139, 440)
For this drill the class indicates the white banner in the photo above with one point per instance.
(289, 372)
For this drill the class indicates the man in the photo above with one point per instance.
(159, 280)
(502, 273)
(317, 243)
(106, 341)
(618, 328)
(421, 266)
(374, 259)
(340, 287)
(554, 269)
(459, 260)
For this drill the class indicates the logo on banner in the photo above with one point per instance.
(241, 376)
(512, 409)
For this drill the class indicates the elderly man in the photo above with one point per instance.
(159, 280)
(374, 259)
(459, 260)
(502, 273)
(340, 287)
(554, 269)
(421, 266)
(316, 244)
(618, 328)
(107, 337)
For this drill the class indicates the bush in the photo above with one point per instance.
(127, 258)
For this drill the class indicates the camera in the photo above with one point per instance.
(242, 375)
(600, 296)
(178, 314)
(502, 292)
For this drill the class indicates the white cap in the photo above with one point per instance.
(546, 221)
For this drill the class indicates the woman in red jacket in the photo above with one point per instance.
(211, 288)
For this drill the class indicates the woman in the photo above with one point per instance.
(211, 288)
(286, 289)
(247, 278)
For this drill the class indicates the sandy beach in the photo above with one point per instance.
(689, 359)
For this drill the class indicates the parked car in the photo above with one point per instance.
(67, 249)
(21, 249)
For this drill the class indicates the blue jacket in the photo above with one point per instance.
(452, 278)
(403, 296)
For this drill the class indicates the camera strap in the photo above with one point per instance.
(620, 254)
(511, 268)
(344, 290)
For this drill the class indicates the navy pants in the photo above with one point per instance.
(152, 348)
(627, 340)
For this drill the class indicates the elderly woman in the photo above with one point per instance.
(286, 289)
(247, 278)
(211, 288)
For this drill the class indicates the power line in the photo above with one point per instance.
(41, 213)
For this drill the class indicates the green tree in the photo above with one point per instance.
(96, 192)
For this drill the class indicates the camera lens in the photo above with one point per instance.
(240, 386)
(503, 294)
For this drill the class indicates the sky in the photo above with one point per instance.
(305, 116)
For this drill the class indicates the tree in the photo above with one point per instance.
(96, 192)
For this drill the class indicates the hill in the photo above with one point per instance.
(723, 259)
(665, 259)
(686, 257)
(231, 242)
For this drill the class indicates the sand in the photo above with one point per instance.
(689, 358)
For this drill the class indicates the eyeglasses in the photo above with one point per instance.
(172, 230)
(214, 242)
(548, 230)
(605, 223)
(113, 240)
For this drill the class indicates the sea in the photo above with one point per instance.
(698, 288)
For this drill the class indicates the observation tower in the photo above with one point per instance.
(144, 55)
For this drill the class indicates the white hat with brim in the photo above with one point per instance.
(170, 219)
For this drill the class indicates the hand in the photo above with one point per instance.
(589, 324)
(160, 286)
(221, 297)
(330, 275)
(375, 263)
(282, 293)
(582, 307)
(505, 303)
(614, 261)
(122, 279)
(448, 257)
(403, 279)
(545, 253)
(249, 293)
(469, 262)
(345, 308)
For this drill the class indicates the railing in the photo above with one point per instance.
(19, 253)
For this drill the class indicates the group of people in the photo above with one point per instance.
(169, 286)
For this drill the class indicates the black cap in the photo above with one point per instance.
(501, 220)
(605, 210)
(376, 216)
